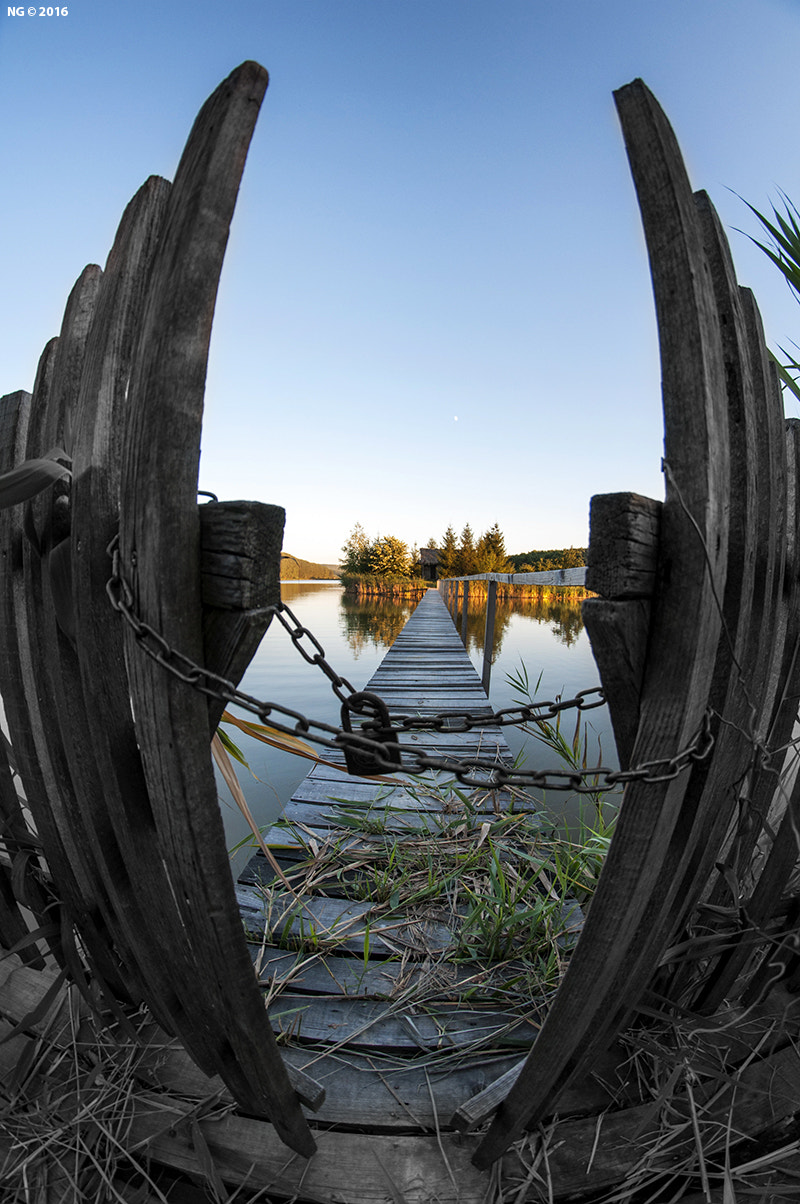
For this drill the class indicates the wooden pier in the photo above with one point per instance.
(426, 671)
(377, 1013)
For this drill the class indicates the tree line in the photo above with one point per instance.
(465, 556)
(459, 556)
(543, 562)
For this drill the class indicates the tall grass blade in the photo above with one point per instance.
(225, 767)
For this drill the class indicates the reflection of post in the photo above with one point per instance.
(488, 635)
(464, 604)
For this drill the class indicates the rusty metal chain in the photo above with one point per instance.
(379, 751)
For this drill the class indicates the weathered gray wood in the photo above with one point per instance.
(623, 545)
(14, 415)
(160, 554)
(758, 902)
(572, 578)
(743, 686)
(52, 710)
(464, 610)
(103, 753)
(378, 977)
(377, 797)
(419, 1169)
(605, 1089)
(240, 546)
(339, 924)
(600, 980)
(23, 695)
(365, 1023)
(618, 633)
(240, 550)
(777, 672)
(488, 634)
(401, 820)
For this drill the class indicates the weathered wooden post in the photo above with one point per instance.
(488, 633)
(464, 608)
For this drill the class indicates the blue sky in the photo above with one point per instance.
(435, 306)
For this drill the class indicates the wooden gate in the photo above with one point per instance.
(696, 632)
(114, 753)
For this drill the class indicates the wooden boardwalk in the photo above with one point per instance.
(364, 993)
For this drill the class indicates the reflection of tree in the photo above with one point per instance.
(561, 610)
(371, 620)
(566, 621)
(377, 620)
(476, 624)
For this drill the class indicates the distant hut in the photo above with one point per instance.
(429, 562)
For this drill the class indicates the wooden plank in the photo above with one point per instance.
(781, 858)
(370, 1024)
(583, 1155)
(32, 707)
(339, 924)
(14, 416)
(383, 978)
(88, 673)
(422, 798)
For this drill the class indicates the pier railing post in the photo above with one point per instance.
(488, 634)
(464, 608)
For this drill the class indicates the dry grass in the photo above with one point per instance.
(69, 1096)
(71, 1092)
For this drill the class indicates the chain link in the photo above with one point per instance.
(381, 755)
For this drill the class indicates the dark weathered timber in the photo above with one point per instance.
(758, 900)
(22, 703)
(619, 633)
(622, 558)
(240, 559)
(766, 1092)
(622, 568)
(693, 569)
(14, 413)
(240, 545)
(160, 553)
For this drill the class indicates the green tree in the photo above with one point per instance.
(573, 558)
(448, 554)
(357, 552)
(467, 554)
(389, 557)
(491, 552)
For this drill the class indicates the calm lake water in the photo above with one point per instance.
(547, 637)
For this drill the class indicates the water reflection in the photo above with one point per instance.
(373, 622)
(560, 611)
(542, 632)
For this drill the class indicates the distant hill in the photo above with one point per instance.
(295, 569)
